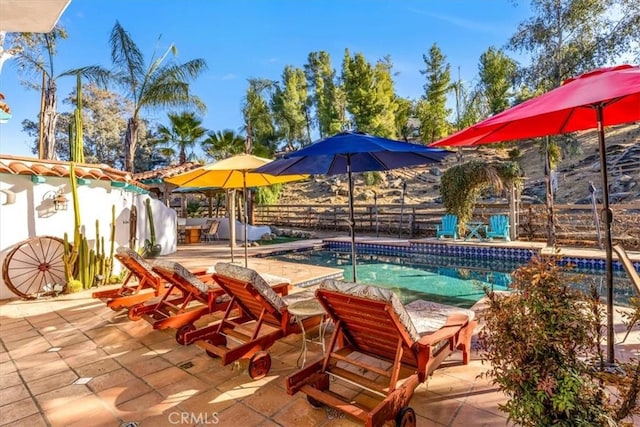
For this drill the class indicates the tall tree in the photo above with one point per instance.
(497, 73)
(405, 111)
(289, 106)
(35, 54)
(222, 144)
(153, 86)
(259, 126)
(184, 132)
(432, 108)
(565, 38)
(327, 96)
(369, 94)
(384, 122)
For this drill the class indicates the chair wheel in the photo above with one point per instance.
(182, 332)
(314, 402)
(406, 417)
(259, 365)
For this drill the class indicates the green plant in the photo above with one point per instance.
(543, 344)
(268, 195)
(461, 185)
(193, 207)
(372, 178)
(151, 246)
(514, 153)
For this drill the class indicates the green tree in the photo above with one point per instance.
(35, 55)
(153, 86)
(222, 144)
(432, 110)
(327, 96)
(184, 132)
(565, 38)
(369, 92)
(259, 124)
(384, 122)
(405, 111)
(497, 73)
(289, 106)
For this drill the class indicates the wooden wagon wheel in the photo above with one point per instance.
(35, 267)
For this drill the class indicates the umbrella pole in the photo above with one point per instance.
(607, 214)
(246, 218)
(352, 220)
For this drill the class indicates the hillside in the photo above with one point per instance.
(574, 174)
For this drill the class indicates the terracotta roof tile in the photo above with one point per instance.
(166, 172)
(30, 166)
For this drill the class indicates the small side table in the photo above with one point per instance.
(308, 308)
(474, 230)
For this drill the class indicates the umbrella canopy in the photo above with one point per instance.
(348, 152)
(234, 172)
(603, 97)
(30, 16)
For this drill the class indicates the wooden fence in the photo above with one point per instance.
(574, 223)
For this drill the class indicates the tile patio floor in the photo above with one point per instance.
(70, 361)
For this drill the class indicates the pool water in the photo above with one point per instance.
(449, 280)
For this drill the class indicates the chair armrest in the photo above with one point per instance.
(455, 322)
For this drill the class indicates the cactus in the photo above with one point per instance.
(89, 266)
(151, 246)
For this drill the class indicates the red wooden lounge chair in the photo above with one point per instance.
(383, 348)
(145, 284)
(264, 319)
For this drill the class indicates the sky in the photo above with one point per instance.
(242, 39)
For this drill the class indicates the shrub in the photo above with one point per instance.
(543, 342)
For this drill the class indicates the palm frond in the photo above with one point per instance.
(126, 56)
(93, 73)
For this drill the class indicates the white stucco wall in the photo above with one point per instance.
(29, 215)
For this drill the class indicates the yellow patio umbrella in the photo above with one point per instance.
(234, 172)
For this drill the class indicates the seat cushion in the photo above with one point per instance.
(428, 316)
(186, 275)
(251, 276)
(374, 293)
(124, 252)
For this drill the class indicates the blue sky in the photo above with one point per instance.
(243, 39)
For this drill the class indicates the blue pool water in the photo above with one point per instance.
(447, 279)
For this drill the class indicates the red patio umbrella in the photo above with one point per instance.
(602, 97)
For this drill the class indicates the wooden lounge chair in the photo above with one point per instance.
(264, 319)
(382, 347)
(140, 284)
(217, 300)
(449, 227)
(188, 298)
(498, 227)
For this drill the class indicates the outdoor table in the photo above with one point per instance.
(474, 230)
(301, 310)
(192, 233)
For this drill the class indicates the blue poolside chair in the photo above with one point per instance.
(498, 227)
(449, 227)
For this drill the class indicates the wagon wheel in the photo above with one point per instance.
(406, 417)
(181, 333)
(35, 267)
(259, 365)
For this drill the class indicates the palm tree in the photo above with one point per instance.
(185, 131)
(222, 144)
(153, 86)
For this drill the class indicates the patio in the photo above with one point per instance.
(72, 361)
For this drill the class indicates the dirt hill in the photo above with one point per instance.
(574, 174)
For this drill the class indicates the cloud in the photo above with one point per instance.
(272, 60)
(459, 22)
(228, 76)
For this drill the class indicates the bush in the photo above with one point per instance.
(543, 342)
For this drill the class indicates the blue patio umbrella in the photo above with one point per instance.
(348, 152)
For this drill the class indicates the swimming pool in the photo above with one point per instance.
(450, 280)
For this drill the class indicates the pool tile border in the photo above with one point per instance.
(468, 250)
